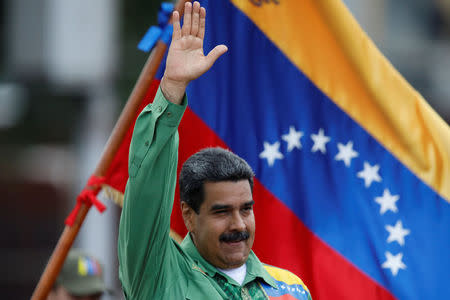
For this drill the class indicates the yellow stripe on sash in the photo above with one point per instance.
(284, 276)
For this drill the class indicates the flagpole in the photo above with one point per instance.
(124, 122)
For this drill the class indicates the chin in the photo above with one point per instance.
(235, 261)
(233, 265)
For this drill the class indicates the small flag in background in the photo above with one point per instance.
(352, 166)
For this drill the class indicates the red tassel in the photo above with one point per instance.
(88, 196)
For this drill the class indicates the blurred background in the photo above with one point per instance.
(66, 70)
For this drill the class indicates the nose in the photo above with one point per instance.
(237, 222)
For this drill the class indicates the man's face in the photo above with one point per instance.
(224, 229)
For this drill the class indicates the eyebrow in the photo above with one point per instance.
(225, 207)
(249, 203)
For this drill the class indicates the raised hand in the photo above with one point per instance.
(186, 60)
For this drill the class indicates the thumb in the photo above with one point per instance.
(215, 53)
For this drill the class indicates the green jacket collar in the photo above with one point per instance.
(255, 268)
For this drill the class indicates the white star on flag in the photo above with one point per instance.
(369, 174)
(319, 141)
(393, 262)
(397, 233)
(293, 139)
(387, 202)
(346, 153)
(271, 153)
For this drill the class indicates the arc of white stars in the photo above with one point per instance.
(369, 174)
(293, 139)
(271, 153)
(393, 262)
(397, 233)
(346, 153)
(320, 140)
(387, 202)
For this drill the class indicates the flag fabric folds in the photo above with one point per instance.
(352, 166)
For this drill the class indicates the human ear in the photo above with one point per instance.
(188, 216)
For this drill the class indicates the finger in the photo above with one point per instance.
(176, 25)
(201, 30)
(195, 18)
(186, 30)
(215, 53)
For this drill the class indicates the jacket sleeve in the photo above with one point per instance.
(144, 245)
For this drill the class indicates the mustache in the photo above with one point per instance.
(235, 236)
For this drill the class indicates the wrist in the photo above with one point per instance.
(172, 90)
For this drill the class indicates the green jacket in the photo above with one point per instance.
(153, 265)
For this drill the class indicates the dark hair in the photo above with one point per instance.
(210, 165)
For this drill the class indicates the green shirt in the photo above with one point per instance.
(152, 265)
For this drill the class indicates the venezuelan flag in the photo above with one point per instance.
(352, 165)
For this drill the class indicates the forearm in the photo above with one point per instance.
(145, 219)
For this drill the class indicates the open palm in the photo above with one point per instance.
(186, 60)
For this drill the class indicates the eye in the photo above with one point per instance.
(247, 208)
